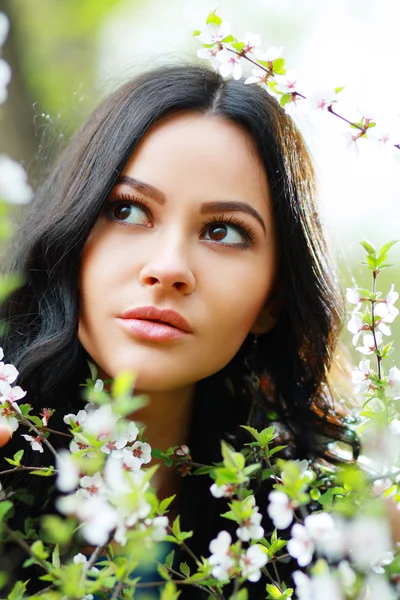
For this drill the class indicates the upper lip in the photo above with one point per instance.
(151, 313)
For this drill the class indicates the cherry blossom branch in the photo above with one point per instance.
(270, 73)
(26, 421)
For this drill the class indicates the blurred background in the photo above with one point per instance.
(67, 54)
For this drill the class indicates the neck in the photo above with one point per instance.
(167, 421)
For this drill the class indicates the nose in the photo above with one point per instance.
(168, 269)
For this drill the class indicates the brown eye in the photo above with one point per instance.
(218, 232)
(122, 211)
(129, 212)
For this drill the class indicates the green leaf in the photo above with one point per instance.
(164, 504)
(18, 591)
(184, 569)
(25, 409)
(368, 247)
(213, 18)
(169, 592)
(39, 550)
(57, 530)
(278, 66)
(383, 251)
(252, 431)
(232, 459)
(55, 558)
(4, 508)
(238, 46)
(240, 595)
(285, 99)
(251, 469)
(196, 32)
(18, 456)
(44, 472)
(170, 559)
(123, 384)
(273, 591)
(339, 89)
(36, 421)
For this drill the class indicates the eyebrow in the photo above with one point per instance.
(206, 207)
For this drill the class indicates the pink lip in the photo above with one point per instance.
(150, 323)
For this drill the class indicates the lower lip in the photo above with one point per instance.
(151, 330)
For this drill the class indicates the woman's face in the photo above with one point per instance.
(188, 228)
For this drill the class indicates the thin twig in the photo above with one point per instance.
(24, 546)
(24, 468)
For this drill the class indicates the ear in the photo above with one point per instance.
(268, 315)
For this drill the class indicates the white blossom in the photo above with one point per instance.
(8, 373)
(301, 546)
(99, 385)
(280, 509)
(137, 455)
(353, 296)
(4, 28)
(76, 420)
(101, 422)
(369, 539)
(317, 587)
(259, 77)
(225, 490)
(361, 377)
(98, 519)
(251, 528)
(7, 418)
(269, 55)
(5, 78)
(252, 561)
(211, 55)
(220, 558)
(158, 527)
(368, 346)
(393, 383)
(347, 575)
(322, 99)
(14, 187)
(35, 442)
(229, 64)
(67, 471)
(11, 394)
(356, 326)
(328, 535)
(93, 485)
(182, 450)
(214, 33)
(115, 446)
(251, 42)
(378, 588)
(287, 83)
(303, 586)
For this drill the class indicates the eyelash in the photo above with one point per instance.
(240, 225)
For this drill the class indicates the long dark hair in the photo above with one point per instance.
(281, 376)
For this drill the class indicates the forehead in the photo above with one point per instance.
(199, 150)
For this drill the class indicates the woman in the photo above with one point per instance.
(178, 237)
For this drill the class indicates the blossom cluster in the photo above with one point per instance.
(229, 56)
(9, 395)
(112, 500)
